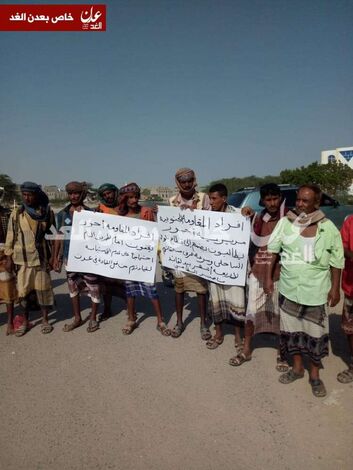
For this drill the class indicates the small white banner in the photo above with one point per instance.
(211, 245)
(113, 246)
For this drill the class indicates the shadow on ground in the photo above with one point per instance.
(339, 343)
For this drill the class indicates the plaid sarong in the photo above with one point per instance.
(141, 289)
(262, 310)
(84, 282)
(227, 303)
(313, 313)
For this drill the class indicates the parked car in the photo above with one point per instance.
(330, 206)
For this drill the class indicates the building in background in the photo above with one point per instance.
(54, 193)
(340, 155)
(161, 192)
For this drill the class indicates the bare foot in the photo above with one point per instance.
(105, 315)
(10, 330)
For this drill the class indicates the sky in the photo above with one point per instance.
(229, 88)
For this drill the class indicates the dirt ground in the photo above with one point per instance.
(107, 401)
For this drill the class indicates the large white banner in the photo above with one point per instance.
(113, 246)
(212, 245)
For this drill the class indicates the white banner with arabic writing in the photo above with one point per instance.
(211, 245)
(113, 246)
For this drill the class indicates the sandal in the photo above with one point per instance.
(239, 359)
(282, 365)
(177, 330)
(205, 333)
(290, 376)
(71, 326)
(46, 328)
(93, 326)
(346, 376)
(214, 342)
(318, 388)
(163, 329)
(130, 326)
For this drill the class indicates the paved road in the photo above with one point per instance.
(108, 401)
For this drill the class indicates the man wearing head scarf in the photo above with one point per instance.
(189, 198)
(312, 257)
(108, 197)
(8, 292)
(109, 204)
(129, 196)
(28, 248)
(77, 282)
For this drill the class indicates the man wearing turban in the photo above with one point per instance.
(129, 196)
(189, 198)
(77, 282)
(29, 249)
(108, 195)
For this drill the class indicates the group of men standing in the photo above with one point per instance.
(294, 272)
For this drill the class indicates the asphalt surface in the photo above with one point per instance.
(107, 401)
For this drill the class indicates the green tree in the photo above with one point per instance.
(146, 192)
(233, 184)
(10, 194)
(333, 177)
(155, 197)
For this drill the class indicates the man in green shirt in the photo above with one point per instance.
(311, 254)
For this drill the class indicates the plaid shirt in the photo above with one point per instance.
(4, 220)
(25, 240)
